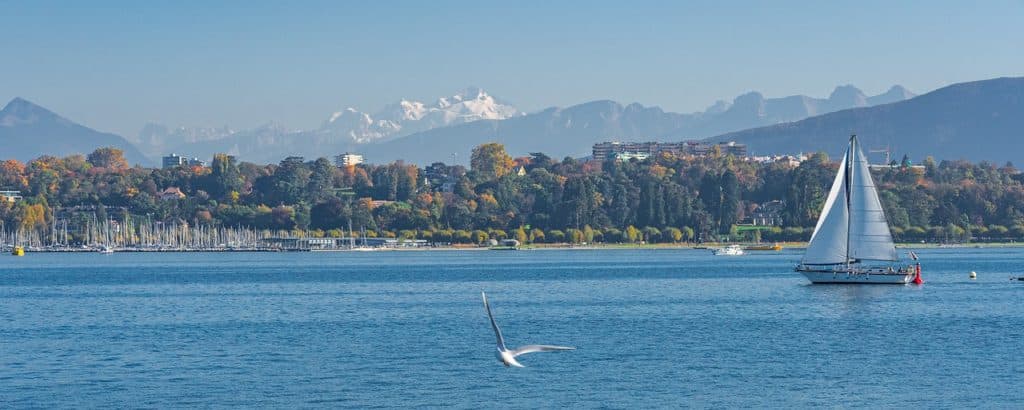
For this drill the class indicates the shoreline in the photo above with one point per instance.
(532, 247)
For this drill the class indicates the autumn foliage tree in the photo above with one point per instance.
(664, 198)
(490, 161)
(109, 158)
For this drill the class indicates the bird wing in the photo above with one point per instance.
(538, 348)
(497, 332)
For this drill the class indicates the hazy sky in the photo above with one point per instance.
(117, 65)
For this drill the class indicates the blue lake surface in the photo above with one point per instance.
(653, 328)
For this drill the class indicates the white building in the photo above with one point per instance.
(10, 196)
(174, 160)
(791, 160)
(348, 159)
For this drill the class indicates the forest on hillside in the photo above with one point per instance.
(665, 198)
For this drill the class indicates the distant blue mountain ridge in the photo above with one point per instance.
(573, 130)
(29, 131)
(978, 120)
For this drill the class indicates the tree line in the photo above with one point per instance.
(665, 198)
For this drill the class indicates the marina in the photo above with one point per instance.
(125, 236)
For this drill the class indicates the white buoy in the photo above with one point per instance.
(974, 275)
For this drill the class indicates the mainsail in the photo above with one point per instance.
(852, 224)
(870, 238)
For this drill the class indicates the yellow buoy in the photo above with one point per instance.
(973, 275)
(18, 251)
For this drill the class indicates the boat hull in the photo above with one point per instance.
(775, 247)
(731, 250)
(858, 277)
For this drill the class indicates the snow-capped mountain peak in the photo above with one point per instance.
(335, 116)
(408, 110)
(408, 116)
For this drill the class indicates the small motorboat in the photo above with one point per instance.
(731, 250)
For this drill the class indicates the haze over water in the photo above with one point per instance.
(652, 328)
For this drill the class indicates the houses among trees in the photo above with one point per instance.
(663, 198)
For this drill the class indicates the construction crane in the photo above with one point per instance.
(887, 152)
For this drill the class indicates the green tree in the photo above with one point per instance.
(613, 235)
(537, 235)
(480, 237)
(730, 201)
(330, 214)
(225, 177)
(462, 236)
(711, 197)
(688, 233)
(321, 180)
(652, 234)
(573, 235)
(674, 234)
(556, 236)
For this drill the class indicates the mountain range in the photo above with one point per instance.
(156, 140)
(980, 120)
(344, 130)
(955, 117)
(572, 131)
(422, 133)
(754, 110)
(28, 131)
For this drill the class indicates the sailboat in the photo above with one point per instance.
(851, 242)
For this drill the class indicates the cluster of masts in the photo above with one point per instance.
(132, 235)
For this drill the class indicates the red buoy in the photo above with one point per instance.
(917, 275)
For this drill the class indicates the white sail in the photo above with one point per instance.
(828, 242)
(870, 238)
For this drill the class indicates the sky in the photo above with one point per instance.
(115, 66)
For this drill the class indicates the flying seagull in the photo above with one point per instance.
(508, 357)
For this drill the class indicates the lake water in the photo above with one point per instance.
(653, 328)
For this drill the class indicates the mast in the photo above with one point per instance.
(870, 237)
(351, 236)
(846, 182)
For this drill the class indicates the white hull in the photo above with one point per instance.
(865, 278)
(731, 250)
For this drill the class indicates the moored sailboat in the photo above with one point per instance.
(851, 242)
